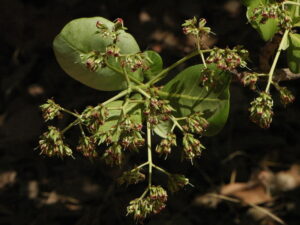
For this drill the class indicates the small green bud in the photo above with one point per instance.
(249, 79)
(114, 155)
(51, 143)
(261, 111)
(131, 177)
(87, 146)
(286, 96)
(176, 182)
(50, 110)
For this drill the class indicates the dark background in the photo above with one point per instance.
(39, 190)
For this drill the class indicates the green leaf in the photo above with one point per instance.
(187, 96)
(78, 38)
(114, 116)
(266, 30)
(156, 64)
(293, 53)
(296, 22)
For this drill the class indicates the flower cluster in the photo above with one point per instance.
(261, 111)
(272, 11)
(112, 50)
(196, 123)
(249, 79)
(136, 61)
(152, 204)
(93, 60)
(286, 96)
(192, 147)
(50, 110)
(94, 117)
(114, 155)
(164, 147)
(207, 78)
(177, 182)
(131, 177)
(87, 146)
(157, 110)
(51, 143)
(196, 27)
(131, 137)
(228, 59)
(113, 32)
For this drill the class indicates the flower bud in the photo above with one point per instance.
(176, 182)
(165, 145)
(87, 147)
(50, 110)
(114, 155)
(131, 177)
(286, 96)
(51, 143)
(191, 146)
(249, 79)
(261, 111)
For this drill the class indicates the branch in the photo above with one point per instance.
(285, 74)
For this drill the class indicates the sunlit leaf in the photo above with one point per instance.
(78, 38)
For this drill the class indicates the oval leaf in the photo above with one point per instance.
(293, 53)
(156, 64)
(78, 38)
(187, 96)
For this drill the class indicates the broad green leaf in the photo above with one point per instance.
(296, 22)
(156, 64)
(293, 53)
(114, 116)
(187, 96)
(266, 30)
(79, 38)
